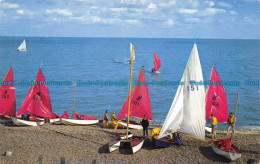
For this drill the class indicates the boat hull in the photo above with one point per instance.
(229, 155)
(163, 142)
(131, 145)
(77, 122)
(20, 122)
(115, 142)
(208, 129)
(131, 125)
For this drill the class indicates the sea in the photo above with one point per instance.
(100, 66)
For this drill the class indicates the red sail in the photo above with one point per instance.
(7, 93)
(216, 99)
(140, 101)
(157, 62)
(83, 117)
(37, 101)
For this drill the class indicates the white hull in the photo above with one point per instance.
(77, 122)
(20, 122)
(114, 144)
(132, 126)
(52, 120)
(230, 155)
(137, 147)
(208, 129)
(21, 50)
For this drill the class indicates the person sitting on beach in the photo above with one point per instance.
(114, 120)
(231, 121)
(145, 124)
(106, 124)
(214, 123)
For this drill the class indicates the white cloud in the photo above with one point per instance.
(213, 11)
(192, 20)
(233, 12)
(131, 21)
(10, 5)
(58, 11)
(95, 19)
(118, 9)
(210, 3)
(187, 11)
(19, 11)
(151, 6)
(133, 2)
(169, 4)
(169, 22)
(223, 4)
(249, 20)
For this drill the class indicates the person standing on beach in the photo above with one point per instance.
(145, 124)
(106, 123)
(231, 121)
(114, 120)
(214, 123)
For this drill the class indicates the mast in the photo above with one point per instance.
(235, 116)
(130, 88)
(74, 99)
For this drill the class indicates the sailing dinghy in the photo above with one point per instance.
(187, 112)
(37, 104)
(115, 142)
(225, 146)
(157, 63)
(80, 119)
(7, 98)
(216, 99)
(134, 143)
(22, 47)
(140, 104)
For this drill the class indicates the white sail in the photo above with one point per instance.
(131, 49)
(187, 112)
(22, 47)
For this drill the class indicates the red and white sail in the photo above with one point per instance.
(140, 101)
(7, 95)
(216, 99)
(157, 62)
(37, 102)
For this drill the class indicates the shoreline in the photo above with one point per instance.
(89, 144)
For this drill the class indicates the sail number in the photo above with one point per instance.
(192, 88)
(5, 96)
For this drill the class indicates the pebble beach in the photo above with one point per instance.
(89, 144)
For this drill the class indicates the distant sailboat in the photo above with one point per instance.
(157, 63)
(7, 96)
(22, 47)
(187, 112)
(131, 51)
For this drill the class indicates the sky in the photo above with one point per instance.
(221, 19)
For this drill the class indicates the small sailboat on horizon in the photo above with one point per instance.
(22, 47)
(132, 51)
(157, 63)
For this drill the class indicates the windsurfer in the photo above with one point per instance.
(231, 120)
(106, 124)
(114, 120)
(214, 123)
(145, 124)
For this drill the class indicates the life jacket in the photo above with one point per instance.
(112, 117)
(231, 119)
(155, 132)
(214, 121)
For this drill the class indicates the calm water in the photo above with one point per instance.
(104, 59)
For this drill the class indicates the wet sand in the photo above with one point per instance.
(89, 144)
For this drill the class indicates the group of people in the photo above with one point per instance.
(214, 123)
(114, 121)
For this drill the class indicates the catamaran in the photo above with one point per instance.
(7, 97)
(157, 63)
(37, 104)
(22, 47)
(187, 112)
(140, 105)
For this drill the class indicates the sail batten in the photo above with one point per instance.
(187, 112)
(140, 101)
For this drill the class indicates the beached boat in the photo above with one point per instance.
(7, 98)
(37, 104)
(157, 63)
(134, 143)
(132, 51)
(225, 146)
(77, 119)
(115, 142)
(140, 104)
(187, 112)
(22, 47)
